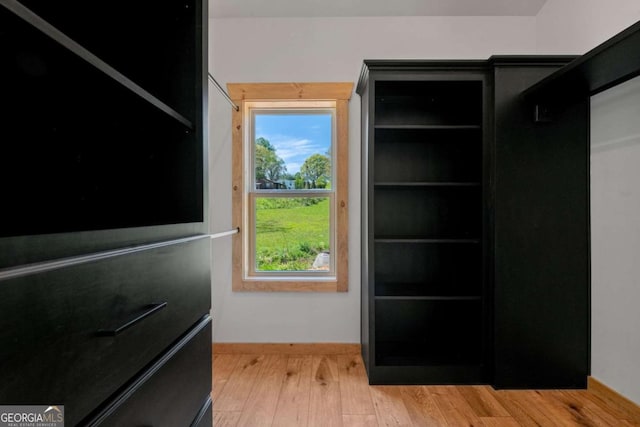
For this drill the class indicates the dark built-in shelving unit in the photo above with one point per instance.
(424, 201)
(474, 237)
(106, 144)
(104, 248)
(102, 120)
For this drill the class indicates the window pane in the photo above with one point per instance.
(292, 150)
(292, 233)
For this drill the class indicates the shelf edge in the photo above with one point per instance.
(427, 298)
(430, 127)
(418, 240)
(426, 184)
(50, 265)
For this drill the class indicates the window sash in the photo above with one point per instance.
(252, 271)
(287, 107)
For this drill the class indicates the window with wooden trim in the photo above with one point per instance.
(290, 184)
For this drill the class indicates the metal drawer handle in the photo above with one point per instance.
(150, 309)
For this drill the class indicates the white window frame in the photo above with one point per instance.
(282, 107)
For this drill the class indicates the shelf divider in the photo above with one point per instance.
(428, 127)
(422, 240)
(429, 297)
(426, 184)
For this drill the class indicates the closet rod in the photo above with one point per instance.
(225, 94)
(225, 233)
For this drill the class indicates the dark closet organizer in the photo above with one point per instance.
(104, 246)
(462, 281)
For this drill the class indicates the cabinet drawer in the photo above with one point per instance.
(172, 393)
(77, 334)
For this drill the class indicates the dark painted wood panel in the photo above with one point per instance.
(415, 269)
(367, 153)
(425, 102)
(541, 239)
(423, 332)
(431, 212)
(428, 155)
(428, 375)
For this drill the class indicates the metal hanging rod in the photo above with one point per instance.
(225, 94)
(225, 233)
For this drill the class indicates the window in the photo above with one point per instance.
(290, 155)
(290, 191)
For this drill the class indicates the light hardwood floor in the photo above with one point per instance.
(314, 390)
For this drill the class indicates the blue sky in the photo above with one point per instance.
(295, 136)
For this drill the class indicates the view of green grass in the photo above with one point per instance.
(290, 232)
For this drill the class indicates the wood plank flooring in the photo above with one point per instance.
(314, 390)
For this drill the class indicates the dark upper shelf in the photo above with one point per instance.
(62, 39)
(607, 65)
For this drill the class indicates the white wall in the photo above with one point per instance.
(615, 238)
(332, 49)
(577, 26)
(307, 50)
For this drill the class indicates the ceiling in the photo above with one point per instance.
(351, 8)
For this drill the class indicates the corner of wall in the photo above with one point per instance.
(577, 26)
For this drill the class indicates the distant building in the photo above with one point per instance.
(265, 184)
(289, 184)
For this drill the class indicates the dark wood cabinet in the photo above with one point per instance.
(80, 317)
(104, 247)
(447, 212)
(172, 392)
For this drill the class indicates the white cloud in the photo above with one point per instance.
(292, 168)
(294, 151)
